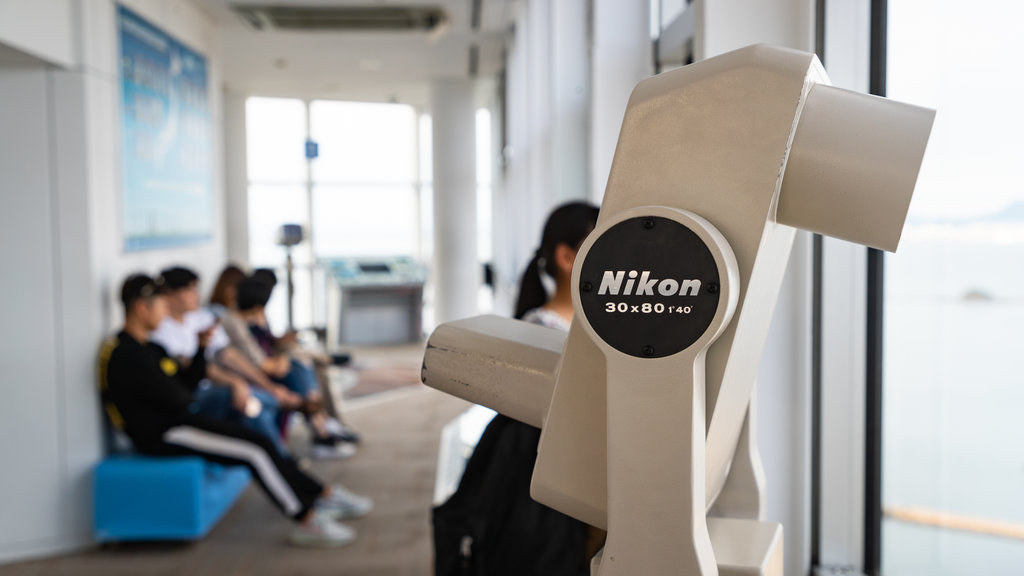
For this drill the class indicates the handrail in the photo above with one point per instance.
(939, 519)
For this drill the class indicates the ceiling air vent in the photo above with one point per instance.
(342, 18)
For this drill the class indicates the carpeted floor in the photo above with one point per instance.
(396, 466)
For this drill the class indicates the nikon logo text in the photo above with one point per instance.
(611, 284)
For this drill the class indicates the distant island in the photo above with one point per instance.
(976, 295)
(1012, 213)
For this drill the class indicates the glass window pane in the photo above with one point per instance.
(363, 143)
(427, 224)
(353, 221)
(483, 147)
(426, 149)
(269, 208)
(485, 251)
(953, 458)
(275, 139)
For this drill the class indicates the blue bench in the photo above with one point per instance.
(146, 498)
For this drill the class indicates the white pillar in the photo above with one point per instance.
(620, 58)
(540, 165)
(570, 98)
(454, 144)
(236, 179)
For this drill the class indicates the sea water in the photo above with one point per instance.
(953, 401)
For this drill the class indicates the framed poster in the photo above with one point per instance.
(166, 194)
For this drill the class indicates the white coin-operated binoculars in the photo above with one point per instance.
(645, 406)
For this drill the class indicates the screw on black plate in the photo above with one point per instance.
(712, 288)
(587, 287)
(648, 350)
(648, 223)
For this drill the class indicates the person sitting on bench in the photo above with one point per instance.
(252, 297)
(227, 367)
(224, 300)
(224, 394)
(149, 396)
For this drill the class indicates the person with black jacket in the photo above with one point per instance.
(149, 397)
(491, 525)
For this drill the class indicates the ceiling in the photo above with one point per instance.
(377, 66)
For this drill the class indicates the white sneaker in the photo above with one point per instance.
(322, 531)
(343, 503)
(339, 451)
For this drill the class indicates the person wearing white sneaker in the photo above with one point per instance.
(322, 530)
(244, 323)
(147, 396)
(341, 503)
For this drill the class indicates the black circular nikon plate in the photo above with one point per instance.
(630, 286)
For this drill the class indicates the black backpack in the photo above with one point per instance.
(491, 526)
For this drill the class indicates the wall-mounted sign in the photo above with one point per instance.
(166, 194)
(312, 150)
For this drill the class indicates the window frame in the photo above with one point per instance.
(847, 333)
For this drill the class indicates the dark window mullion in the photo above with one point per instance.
(875, 344)
(817, 326)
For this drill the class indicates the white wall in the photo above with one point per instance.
(30, 332)
(190, 26)
(63, 261)
(43, 29)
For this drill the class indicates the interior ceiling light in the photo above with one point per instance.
(374, 18)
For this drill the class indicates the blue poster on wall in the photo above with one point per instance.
(165, 139)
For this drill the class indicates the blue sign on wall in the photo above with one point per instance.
(312, 150)
(166, 151)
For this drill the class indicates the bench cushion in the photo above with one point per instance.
(147, 498)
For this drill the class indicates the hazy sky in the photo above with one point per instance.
(964, 60)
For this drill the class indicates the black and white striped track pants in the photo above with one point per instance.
(229, 443)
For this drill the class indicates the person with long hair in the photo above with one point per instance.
(225, 292)
(508, 533)
(564, 232)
